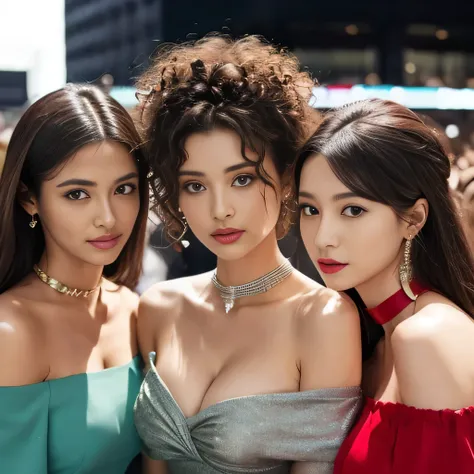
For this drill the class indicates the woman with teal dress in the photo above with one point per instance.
(73, 210)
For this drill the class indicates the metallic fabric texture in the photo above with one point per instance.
(246, 435)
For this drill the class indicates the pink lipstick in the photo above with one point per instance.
(105, 242)
(228, 235)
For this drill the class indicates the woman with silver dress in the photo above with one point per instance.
(252, 368)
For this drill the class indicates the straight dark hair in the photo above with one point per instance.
(384, 152)
(50, 132)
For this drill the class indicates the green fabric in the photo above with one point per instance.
(73, 425)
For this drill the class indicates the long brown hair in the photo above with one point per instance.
(247, 85)
(47, 135)
(384, 152)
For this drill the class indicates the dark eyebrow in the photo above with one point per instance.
(304, 194)
(341, 196)
(239, 166)
(190, 173)
(336, 197)
(76, 182)
(86, 182)
(131, 175)
(230, 169)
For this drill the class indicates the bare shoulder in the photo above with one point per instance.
(169, 295)
(125, 297)
(329, 338)
(435, 323)
(21, 343)
(326, 307)
(434, 355)
(161, 307)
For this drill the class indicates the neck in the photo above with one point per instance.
(83, 276)
(376, 290)
(382, 285)
(373, 295)
(396, 307)
(260, 261)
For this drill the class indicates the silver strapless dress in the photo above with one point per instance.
(246, 435)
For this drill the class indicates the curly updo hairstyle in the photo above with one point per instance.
(248, 86)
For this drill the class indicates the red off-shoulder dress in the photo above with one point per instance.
(392, 438)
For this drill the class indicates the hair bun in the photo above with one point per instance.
(224, 83)
(198, 70)
(227, 72)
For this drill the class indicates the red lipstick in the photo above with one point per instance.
(328, 265)
(105, 242)
(228, 235)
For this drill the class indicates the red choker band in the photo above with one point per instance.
(395, 304)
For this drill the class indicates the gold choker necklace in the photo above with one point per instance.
(265, 283)
(60, 287)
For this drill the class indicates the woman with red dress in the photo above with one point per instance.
(376, 215)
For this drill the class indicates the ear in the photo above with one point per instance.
(416, 217)
(27, 200)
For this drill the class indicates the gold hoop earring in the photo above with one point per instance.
(184, 223)
(33, 221)
(405, 270)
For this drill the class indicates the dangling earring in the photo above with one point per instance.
(184, 222)
(184, 243)
(33, 221)
(405, 271)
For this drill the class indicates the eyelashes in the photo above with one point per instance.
(241, 181)
(81, 194)
(76, 195)
(353, 211)
(126, 189)
(308, 210)
(349, 211)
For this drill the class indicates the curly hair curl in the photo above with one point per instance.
(248, 86)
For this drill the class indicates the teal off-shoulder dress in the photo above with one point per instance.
(73, 425)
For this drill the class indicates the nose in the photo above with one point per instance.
(326, 233)
(105, 216)
(221, 206)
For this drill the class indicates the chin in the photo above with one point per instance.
(230, 252)
(102, 260)
(336, 287)
(335, 283)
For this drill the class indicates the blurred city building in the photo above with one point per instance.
(400, 43)
(345, 43)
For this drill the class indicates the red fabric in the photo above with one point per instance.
(391, 438)
(395, 304)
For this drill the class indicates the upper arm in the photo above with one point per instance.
(22, 353)
(432, 359)
(330, 343)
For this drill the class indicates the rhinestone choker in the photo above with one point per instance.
(60, 287)
(261, 285)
